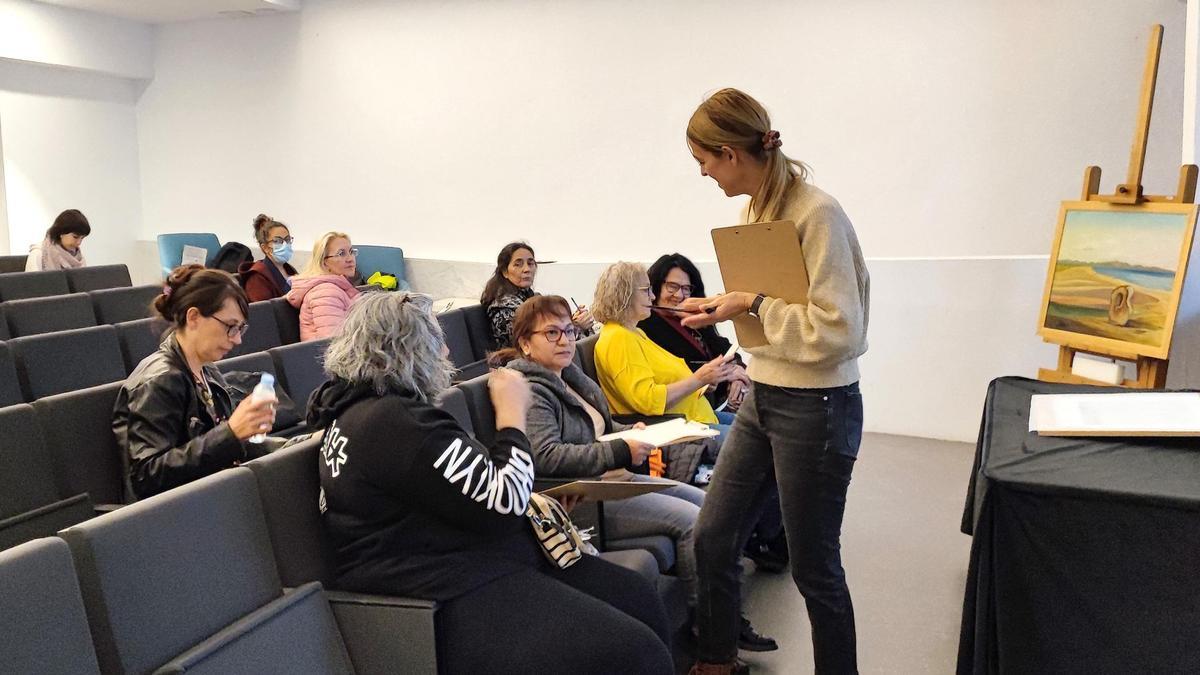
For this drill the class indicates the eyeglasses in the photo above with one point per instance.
(672, 287)
(647, 290)
(232, 329)
(553, 335)
(280, 241)
(352, 253)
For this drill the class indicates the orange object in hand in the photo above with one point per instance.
(658, 467)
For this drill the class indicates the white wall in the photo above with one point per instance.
(70, 141)
(949, 131)
(38, 33)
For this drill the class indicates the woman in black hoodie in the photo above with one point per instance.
(415, 506)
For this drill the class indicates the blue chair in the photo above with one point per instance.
(170, 248)
(386, 259)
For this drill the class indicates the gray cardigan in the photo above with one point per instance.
(559, 428)
(564, 439)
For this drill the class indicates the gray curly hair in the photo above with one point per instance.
(615, 290)
(391, 341)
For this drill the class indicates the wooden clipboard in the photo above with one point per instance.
(610, 490)
(761, 258)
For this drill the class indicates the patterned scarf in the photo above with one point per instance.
(55, 257)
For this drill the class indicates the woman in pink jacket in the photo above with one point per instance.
(323, 292)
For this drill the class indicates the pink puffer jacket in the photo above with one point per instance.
(323, 303)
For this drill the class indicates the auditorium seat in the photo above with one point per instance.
(12, 263)
(52, 363)
(479, 403)
(383, 634)
(114, 305)
(263, 333)
(34, 316)
(454, 401)
(3, 324)
(479, 328)
(585, 356)
(77, 426)
(42, 618)
(288, 320)
(170, 248)
(186, 581)
(458, 341)
(300, 368)
(31, 501)
(84, 279)
(139, 339)
(21, 285)
(386, 259)
(10, 385)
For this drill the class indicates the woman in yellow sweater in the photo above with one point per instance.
(638, 376)
(801, 424)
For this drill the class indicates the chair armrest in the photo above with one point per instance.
(386, 634)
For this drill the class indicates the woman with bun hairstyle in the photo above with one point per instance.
(173, 416)
(324, 291)
(60, 249)
(800, 426)
(270, 277)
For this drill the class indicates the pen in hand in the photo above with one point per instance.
(706, 310)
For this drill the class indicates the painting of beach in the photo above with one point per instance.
(1116, 275)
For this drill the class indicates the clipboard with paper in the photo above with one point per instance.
(761, 258)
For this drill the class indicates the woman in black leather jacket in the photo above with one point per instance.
(174, 416)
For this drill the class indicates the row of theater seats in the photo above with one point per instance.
(59, 459)
(12, 263)
(53, 313)
(36, 366)
(22, 285)
(244, 552)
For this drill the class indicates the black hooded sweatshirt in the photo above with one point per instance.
(413, 505)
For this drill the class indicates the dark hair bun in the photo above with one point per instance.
(261, 220)
(164, 304)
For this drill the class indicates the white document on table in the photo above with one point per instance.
(665, 433)
(1148, 413)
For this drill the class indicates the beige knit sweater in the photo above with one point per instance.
(817, 345)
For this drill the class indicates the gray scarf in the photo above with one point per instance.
(55, 257)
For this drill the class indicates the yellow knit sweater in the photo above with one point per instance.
(634, 373)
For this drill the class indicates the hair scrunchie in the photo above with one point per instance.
(770, 140)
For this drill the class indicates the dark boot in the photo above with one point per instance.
(750, 640)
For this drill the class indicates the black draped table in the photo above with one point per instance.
(1086, 551)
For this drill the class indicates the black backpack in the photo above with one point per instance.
(231, 256)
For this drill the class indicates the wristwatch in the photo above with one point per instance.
(758, 300)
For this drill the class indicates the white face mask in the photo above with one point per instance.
(282, 252)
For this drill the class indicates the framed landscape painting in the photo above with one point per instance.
(1116, 274)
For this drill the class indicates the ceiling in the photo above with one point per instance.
(167, 11)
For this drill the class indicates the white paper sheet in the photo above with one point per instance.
(1116, 414)
(665, 433)
(194, 255)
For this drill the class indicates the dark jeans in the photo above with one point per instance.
(591, 618)
(806, 441)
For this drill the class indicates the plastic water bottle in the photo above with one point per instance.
(263, 391)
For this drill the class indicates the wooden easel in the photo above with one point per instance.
(1151, 372)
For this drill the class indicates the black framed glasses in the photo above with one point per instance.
(232, 329)
(553, 335)
(344, 253)
(280, 241)
(672, 287)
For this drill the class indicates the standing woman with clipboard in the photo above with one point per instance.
(801, 424)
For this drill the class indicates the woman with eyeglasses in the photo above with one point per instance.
(270, 277)
(674, 279)
(173, 416)
(510, 285)
(324, 291)
(638, 376)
